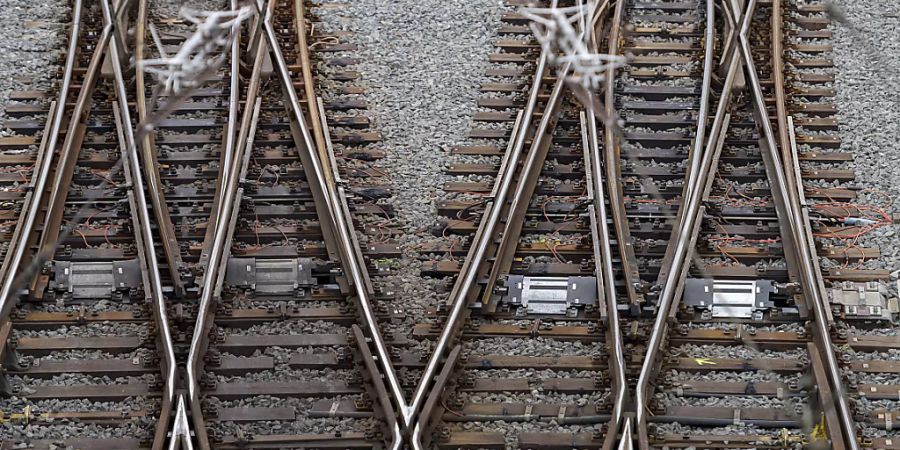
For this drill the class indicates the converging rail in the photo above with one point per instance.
(713, 210)
(672, 260)
(94, 266)
(249, 216)
(265, 272)
(797, 245)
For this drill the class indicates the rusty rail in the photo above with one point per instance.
(24, 230)
(145, 232)
(151, 163)
(680, 246)
(789, 210)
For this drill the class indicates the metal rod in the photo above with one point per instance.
(466, 281)
(42, 173)
(803, 252)
(145, 229)
(335, 220)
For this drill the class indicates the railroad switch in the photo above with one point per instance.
(863, 301)
(95, 280)
(730, 298)
(549, 295)
(271, 276)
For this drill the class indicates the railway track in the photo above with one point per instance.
(272, 345)
(706, 377)
(285, 352)
(81, 357)
(746, 361)
(527, 374)
(677, 260)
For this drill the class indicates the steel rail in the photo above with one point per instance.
(29, 187)
(721, 119)
(68, 154)
(376, 385)
(703, 114)
(166, 408)
(785, 141)
(612, 154)
(165, 227)
(429, 406)
(233, 99)
(788, 206)
(26, 228)
(227, 157)
(606, 279)
(689, 217)
(332, 220)
(431, 401)
(696, 152)
(214, 278)
(466, 280)
(785, 209)
(627, 435)
(462, 292)
(215, 243)
(527, 182)
(780, 98)
(145, 230)
(540, 145)
(729, 40)
(315, 118)
(605, 271)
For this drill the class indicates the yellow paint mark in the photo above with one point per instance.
(819, 433)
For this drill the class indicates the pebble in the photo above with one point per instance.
(421, 63)
(533, 347)
(867, 56)
(742, 352)
(31, 43)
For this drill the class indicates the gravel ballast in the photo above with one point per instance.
(867, 58)
(31, 41)
(421, 63)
